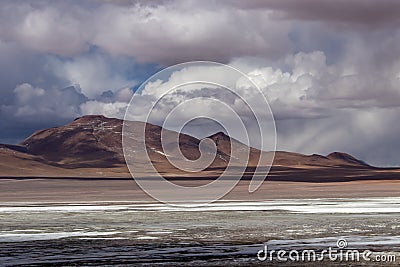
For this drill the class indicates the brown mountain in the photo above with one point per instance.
(91, 146)
(289, 159)
(89, 141)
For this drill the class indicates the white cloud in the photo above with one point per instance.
(146, 31)
(26, 92)
(94, 74)
(46, 28)
(112, 110)
(33, 103)
(123, 95)
(189, 33)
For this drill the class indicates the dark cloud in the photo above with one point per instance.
(33, 108)
(144, 30)
(367, 12)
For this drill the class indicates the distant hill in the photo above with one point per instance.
(91, 146)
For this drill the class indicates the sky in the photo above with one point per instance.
(330, 70)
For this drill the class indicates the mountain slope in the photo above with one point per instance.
(92, 141)
(96, 141)
(283, 158)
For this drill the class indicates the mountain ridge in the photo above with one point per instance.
(99, 136)
(91, 145)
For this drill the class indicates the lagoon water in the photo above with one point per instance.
(221, 234)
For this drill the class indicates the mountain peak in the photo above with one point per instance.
(219, 135)
(88, 118)
(94, 120)
(345, 157)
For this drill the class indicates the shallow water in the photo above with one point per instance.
(224, 233)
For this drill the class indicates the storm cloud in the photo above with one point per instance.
(330, 70)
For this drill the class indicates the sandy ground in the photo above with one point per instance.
(79, 190)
